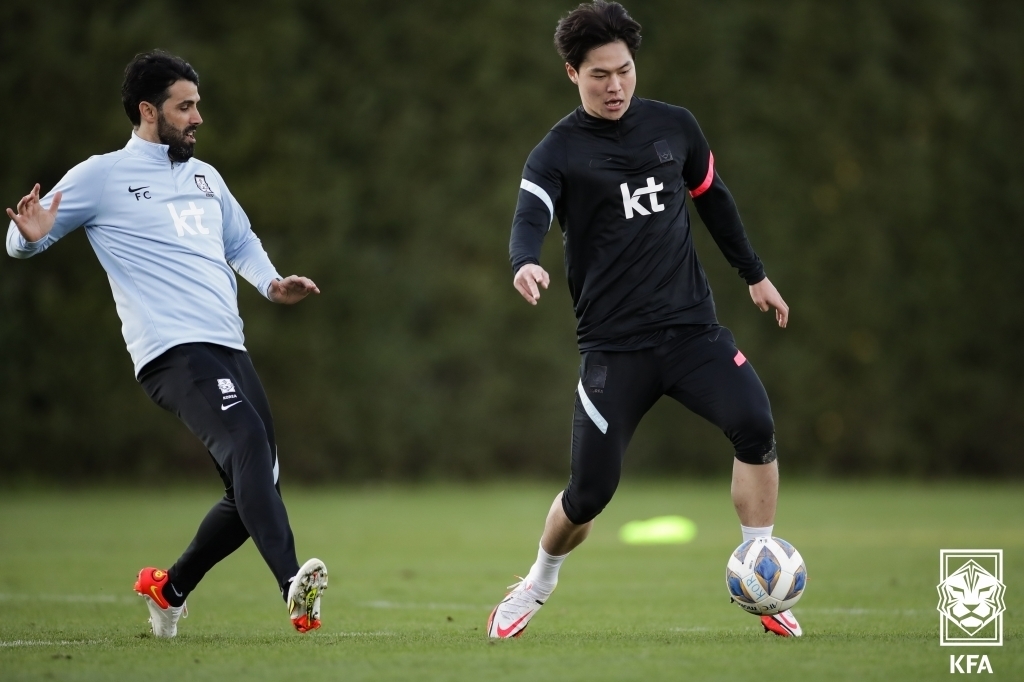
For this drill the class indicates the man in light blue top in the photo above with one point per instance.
(171, 236)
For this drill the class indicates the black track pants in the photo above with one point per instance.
(216, 392)
(698, 366)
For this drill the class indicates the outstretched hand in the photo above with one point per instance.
(33, 221)
(766, 297)
(291, 289)
(527, 280)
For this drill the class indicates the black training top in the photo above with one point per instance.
(618, 190)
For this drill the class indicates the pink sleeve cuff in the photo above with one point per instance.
(707, 180)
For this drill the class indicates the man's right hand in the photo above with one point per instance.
(527, 279)
(33, 221)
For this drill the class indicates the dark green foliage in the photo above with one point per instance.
(872, 147)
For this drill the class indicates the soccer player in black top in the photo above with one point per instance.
(616, 173)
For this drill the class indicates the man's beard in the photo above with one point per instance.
(179, 149)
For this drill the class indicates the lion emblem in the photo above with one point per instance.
(971, 597)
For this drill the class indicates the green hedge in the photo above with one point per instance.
(873, 147)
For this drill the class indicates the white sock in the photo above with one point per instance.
(544, 572)
(750, 532)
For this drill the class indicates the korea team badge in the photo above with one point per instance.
(203, 185)
(971, 593)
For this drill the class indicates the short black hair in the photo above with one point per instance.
(592, 25)
(147, 78)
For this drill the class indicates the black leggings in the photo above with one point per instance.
(216, 392)
(698, 366)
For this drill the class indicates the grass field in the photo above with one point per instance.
(415, 571)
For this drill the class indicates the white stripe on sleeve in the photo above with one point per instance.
(539, 192)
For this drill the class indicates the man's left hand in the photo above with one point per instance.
(291, 289)
(766, 297)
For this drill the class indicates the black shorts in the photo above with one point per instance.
(700, 367)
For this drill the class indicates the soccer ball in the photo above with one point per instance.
(766, 576)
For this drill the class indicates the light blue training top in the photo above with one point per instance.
(168, 235)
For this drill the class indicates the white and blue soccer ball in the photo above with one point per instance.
(765, 576)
